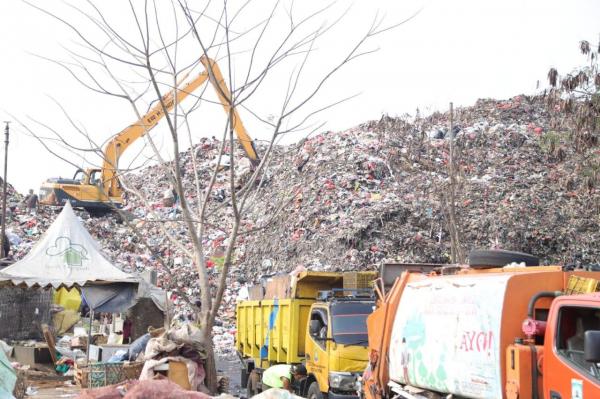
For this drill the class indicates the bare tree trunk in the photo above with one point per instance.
(456, 253)
(210, 364)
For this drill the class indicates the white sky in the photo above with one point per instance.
(458, 50)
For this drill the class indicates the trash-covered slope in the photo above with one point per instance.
(376, 192)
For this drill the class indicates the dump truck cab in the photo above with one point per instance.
(336, 345)
(311, 320)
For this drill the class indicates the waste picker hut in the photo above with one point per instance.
(68, 256)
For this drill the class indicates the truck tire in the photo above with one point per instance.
(314, 392)
(252, 384)
(244, 377)
(500, 258)
(249, 390)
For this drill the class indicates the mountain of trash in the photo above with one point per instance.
(375, 193)
(379, 192)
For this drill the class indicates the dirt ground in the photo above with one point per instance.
(57, 392)
(230, 366)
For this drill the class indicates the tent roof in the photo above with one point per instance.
(66, 255)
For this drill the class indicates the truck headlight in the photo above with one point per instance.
(342, 381)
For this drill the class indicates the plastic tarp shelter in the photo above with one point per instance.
(158, 295)
(111, 298)
(68, 256)
(65, 256)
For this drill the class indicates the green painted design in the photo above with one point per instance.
(72, 257)
(422, 371)
(72, 254)
(441, 372)
(420, 368)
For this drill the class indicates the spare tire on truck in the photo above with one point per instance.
(500, 258)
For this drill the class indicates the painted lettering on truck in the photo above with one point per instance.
(477, 341)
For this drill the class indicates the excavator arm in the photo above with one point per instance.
(117, 146)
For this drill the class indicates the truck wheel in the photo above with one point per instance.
(244, 378)
(249, 390)
(252, 384)
(314, 392)
(500, 258)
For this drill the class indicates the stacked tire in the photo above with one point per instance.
(484, 258)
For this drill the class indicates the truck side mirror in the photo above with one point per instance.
(314, 327)
(591, 346)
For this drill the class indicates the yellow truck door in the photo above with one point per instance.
(317, 346)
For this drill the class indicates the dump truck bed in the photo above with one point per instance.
(273, 330)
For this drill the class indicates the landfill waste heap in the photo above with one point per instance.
(376, 192)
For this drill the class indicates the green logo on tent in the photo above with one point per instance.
(73, 254)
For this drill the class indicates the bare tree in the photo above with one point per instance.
(456, 251)
(149, 59)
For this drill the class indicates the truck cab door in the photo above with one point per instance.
(566, 372)
(317, 347)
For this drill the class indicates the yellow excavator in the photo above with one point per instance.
(99, 190)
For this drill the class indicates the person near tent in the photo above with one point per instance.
(127, 330)
(31, 201)
(6, 247)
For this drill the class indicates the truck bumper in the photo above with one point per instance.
(333, 395)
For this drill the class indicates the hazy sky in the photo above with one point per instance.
(458, 51)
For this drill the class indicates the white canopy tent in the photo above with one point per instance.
(66, 255)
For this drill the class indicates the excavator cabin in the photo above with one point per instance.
(84, 190)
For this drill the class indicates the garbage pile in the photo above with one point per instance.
(375, 193)
(379, 192)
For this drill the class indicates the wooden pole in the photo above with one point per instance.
(451, 178)
(3, 233)
(89, 340)
(456, 254)
(167, 311)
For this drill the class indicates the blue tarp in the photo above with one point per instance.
(112, 298)
(264, 351)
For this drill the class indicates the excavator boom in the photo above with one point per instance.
(117, 146)
(98, 195)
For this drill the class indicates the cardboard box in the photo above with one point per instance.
(109, 350)
(178, 373)
(95, 353)
(256, 292)
(278, 287)
(31, 355)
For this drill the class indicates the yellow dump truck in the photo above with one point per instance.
(316, 320)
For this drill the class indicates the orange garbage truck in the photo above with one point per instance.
(513, 332)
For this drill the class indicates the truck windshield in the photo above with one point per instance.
(349, 322)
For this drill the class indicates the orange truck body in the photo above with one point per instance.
(463, 334)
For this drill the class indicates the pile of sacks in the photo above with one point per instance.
(182, 343)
